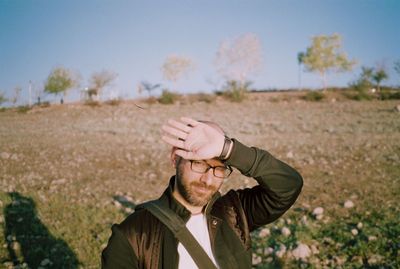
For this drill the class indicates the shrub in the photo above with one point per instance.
(23, 109)
(358, 95)
(92, 103)
(314, 96)
(113, 102)
(167, 97)
(390, 95)
(234, 91)
(204, 97)
(44, 104)
(151, 100)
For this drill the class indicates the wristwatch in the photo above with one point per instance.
(225, 148)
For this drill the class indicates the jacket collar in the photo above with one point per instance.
(180, 209)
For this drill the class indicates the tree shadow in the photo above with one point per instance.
(28, 239)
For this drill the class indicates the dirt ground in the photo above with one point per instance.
(345, 150)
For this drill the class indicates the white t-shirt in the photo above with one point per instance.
(197, 225)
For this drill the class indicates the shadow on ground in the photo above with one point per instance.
(28, 239)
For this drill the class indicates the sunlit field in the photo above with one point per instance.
(68, 172)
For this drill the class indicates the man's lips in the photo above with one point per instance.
(202, 189)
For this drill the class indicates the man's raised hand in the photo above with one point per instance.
(194, 140)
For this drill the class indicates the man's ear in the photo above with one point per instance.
(174, 157)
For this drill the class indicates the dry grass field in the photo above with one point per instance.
(68, 172)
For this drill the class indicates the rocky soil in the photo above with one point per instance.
(104, 155)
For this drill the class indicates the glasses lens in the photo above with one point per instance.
(221, 171)
(200, 167)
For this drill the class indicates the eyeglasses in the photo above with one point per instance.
(203, 167)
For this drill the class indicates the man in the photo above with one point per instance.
(203, 157)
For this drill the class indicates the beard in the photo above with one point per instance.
(195, 193)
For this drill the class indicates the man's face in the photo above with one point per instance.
(197, 188)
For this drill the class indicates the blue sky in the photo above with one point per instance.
(133, 38)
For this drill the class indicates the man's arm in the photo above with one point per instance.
(278, 187)
(119, 253)
(279, 184)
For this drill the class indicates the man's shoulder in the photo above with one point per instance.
(228, 201)
(141, 219)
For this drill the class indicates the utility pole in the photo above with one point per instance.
(30, 93)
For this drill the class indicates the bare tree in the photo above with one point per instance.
(99, 81)
(325, 55)
(16, 95)
(239, 58)
(175, 67)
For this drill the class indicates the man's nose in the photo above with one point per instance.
(208, 177)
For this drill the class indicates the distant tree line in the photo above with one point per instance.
(236, 61)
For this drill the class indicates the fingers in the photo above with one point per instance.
(190, 121)
(174, 132)
(188, 155)
(179, 134)
(180, 126)
(173, 142)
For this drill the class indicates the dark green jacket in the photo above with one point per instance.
(141, 241)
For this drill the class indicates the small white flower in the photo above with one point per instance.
(348, 204)
(285, 231)
(354, 231)
(372, 238)
(359, 225)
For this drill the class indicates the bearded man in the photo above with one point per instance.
(203, 157)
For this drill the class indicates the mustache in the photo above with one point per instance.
(203, 185)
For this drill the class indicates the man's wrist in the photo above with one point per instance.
(226, 149)
(230, 150)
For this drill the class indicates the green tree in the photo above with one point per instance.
(378, 76)
(325, 55)
(3, 99)
(60, 80)
(300, 61)
(364, 82)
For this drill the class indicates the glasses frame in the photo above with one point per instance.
(227, 167)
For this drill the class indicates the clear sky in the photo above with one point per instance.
(133, 38)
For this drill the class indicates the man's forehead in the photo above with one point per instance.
(214, 162)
